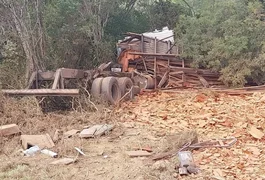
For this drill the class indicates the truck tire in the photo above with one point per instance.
(110, 90)
(96, 87)
(146, 82)
(125, 85)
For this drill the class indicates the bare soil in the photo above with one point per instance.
(158, 121)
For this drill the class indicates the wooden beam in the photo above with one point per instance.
(144, 64)
(203, 81)
(56, 79)
(154, 54)
(142, 43)
(163, 80)
(41, 92)
(33, 77)
(155, 65)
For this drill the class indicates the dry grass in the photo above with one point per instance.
(177, 141)
(126, 136)
(29, 116)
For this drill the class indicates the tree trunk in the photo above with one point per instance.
(25, 44)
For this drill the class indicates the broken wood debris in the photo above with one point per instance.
(56, 135)
(138, 153)
(9, 129)
(80, 151)
(71, 133)
(160, 58)
(241, 91)
(256, 133)
(43, 141)
(148, 149)
(64, 161)
(96, 130)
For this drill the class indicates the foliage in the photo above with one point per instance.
(12, 67)
(226, 36)
(165, 13)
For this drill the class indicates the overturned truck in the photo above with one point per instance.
(145, 61)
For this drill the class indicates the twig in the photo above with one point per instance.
(42, 99)
(90, 100)
(125, 95)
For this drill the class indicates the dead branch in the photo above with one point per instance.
(89, 96)
(126, 94)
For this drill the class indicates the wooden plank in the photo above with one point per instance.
(176, 73)
(62, 83)
(144, 64)
(56, 79)
(203, 81)
(175, 78)
(43, 141)
(63, 161)
(142, 43)
(138, 153)
(163, 80)
(154, 54)
(41, 92)
(155, 65)
(33, 77)
(9, 129)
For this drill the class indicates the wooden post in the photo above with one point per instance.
(142, 43)
(145, 67)
(155, 64)
(169, 47)
(183, 75)
(33, 78)
(36, 80)
(62, 83)
(56, 79)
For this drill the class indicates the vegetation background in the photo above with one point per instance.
(226, 36)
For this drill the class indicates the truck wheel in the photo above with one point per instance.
(125, 85)
(110, 90)
(96, 87)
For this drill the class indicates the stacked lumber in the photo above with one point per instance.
(241, 91)
(171, 73)
(160, 58)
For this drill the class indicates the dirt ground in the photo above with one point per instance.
(153, 120)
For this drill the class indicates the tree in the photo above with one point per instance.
(226, 36)
(165, 13)
(25, 17)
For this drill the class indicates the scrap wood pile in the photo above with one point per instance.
(169, 73)
(157, 54)
(241, 91)
(212, 115)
